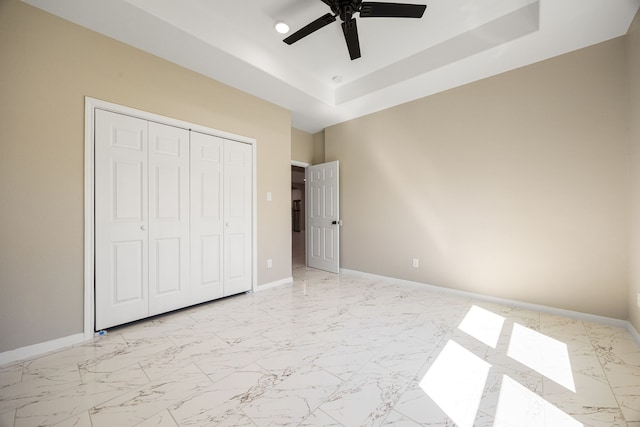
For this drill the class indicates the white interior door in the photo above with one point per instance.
(121, 236)
(323, 222)
(206, 217)
(168, 218)
(237, 217)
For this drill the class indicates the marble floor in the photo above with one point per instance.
(335, 350)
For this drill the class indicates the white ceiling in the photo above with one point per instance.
(456, 42)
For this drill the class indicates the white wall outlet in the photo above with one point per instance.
(269, 263)
(416, 263)
(269, 198)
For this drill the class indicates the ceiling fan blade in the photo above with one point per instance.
(350, 30)
(310, 28)
(327, 2)
(391, 10)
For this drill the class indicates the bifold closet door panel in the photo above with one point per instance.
(207, 228)
(238, 182)
(173, 218)
(168, 218)
(121, 241)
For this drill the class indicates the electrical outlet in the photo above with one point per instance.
(638, 300)
(416, 263)
(269, 263)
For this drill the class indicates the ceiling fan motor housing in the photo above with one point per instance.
(345, 8)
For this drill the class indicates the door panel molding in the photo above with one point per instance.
(323, 216)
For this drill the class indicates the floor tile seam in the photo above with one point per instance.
(562, 406)
(241, 369)
(604, 371)
(320, 402)
(405, 415)
(36, 399)
(96, 378)
(241, 411)
(151, 416)
(10, 367)
(319, 408)
(397, 394)
(73, 416)
(122, 392)
(252, 320)
(157, 382)
(74, 412)
(14, 418)
(619, 329)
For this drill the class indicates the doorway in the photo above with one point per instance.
(298, 229)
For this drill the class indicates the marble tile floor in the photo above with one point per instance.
(335, 350)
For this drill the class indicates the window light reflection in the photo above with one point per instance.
(546, 355)
(455, 382)
(518, 406)
(483, 325)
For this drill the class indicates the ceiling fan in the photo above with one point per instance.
(345, 9)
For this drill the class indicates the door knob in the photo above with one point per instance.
(143, 227)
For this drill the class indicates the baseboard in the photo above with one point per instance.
(504, 301)
(57, 344)
(634, 333)
(40, 348)
(275, 284)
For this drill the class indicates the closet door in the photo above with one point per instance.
(121, 282)
(206, 217)
(237, 217)
(168, 218)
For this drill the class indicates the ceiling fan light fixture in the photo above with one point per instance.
(281, 27)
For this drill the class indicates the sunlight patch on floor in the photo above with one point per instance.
(518, 406)
(456, 382)
(483, 325)
(546, 355)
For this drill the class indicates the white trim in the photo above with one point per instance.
(275, 284)
(634, 333)
(254, 223)
(91, 104)
(40, 348)
(89, 226)
(145, 115)
(536, 307)
(300, 164)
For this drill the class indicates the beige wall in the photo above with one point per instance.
(48, 67)
(301, 146)
(515, 186)
(633, 71)
(318, 148)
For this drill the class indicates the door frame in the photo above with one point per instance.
(90, 105)
(304, 165)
